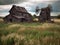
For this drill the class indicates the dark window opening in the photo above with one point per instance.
(10, 20)
(23, 20)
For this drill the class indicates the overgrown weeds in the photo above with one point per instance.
(29, 34)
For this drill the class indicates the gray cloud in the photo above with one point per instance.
(56, 6)
(4, 2)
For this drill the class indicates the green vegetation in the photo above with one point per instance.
(30, 33)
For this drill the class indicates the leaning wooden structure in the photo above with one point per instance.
(44, 14)
(18, 14)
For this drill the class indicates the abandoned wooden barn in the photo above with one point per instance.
(45, 15)
(18, 14)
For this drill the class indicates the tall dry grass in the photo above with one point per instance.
(30, 33)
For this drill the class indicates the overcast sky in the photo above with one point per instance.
(30, 5)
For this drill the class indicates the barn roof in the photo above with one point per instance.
(17, 9)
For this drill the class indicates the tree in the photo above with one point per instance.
(58, 16)
(34, 16)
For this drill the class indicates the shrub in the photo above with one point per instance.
(58, 16)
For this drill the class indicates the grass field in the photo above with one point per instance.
(30, 33)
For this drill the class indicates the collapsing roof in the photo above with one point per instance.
(17, 9)
(18, 14)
